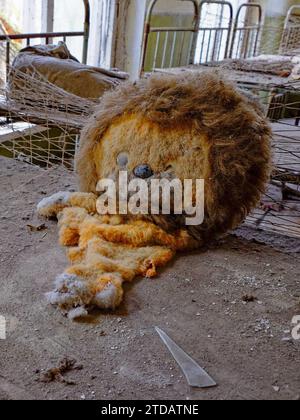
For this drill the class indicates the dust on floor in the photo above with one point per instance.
(204, 301)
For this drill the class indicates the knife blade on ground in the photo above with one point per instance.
(195, 375)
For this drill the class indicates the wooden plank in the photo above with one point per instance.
(282, 223)
(286, 142)
(7, 133)
(46, 117)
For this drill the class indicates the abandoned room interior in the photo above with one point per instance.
(104, 104)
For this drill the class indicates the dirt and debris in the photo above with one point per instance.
(56, 374)
(197, 300)
(38, 228)
(249, 298)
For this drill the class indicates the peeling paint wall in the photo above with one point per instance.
(278, 7)
(129, 29)
(102, 32)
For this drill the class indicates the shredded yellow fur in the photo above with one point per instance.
(106, 251)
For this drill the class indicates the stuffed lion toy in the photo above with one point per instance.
(192, 126)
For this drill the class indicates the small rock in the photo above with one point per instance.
(249, 298)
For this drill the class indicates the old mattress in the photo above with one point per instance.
(56, 64)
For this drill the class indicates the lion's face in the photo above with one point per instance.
(145, 150)
(196, 126)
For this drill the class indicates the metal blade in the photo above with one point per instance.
(195, 375)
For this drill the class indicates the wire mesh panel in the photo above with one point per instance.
(216, 18)
(39, 122)
(8, 51)
(246, 32)
(43, 146)
(291, 34)
(173, 45)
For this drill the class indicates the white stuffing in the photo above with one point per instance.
(70, 282)
(77, 313)
(107, 299)
(48, 205)
(70, 292)
(72, 295)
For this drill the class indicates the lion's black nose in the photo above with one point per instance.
(143, 171)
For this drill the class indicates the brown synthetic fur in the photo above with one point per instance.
(232, 130)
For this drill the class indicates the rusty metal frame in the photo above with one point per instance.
(219, 31)
(290, 29)
(149, 29)
(247, 31)
(289, 14)
(86, 36)
(50, 35)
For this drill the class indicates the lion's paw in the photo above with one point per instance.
(51, 206)
(76, 296)
(71, 292)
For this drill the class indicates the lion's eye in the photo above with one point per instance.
(122, 160)
(196, 149)
(169, 168)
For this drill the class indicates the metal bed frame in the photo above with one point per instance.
(242, 40)
(193, 30)
(215, 34)
(65, 127)
(246, 37)
(291, 33)
(49, 36)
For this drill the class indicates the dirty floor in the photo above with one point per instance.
(198, 300)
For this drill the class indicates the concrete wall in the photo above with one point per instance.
(129, 28)
(277, 8)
